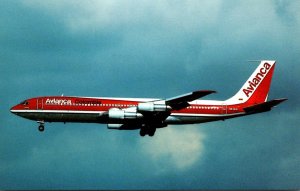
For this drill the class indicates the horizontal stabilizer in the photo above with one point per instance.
(262, 107)
(180, 102)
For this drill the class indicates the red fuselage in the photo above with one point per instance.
(85, 109)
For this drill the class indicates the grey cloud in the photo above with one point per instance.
(145, 49)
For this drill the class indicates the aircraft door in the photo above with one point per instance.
(224, 109)
(40, 103)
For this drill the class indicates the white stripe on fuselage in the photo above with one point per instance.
(100, 112)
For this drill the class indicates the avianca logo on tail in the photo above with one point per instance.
(252, 84)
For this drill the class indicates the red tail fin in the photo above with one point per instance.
(257, 87)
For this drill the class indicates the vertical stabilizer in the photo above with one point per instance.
(256, 88)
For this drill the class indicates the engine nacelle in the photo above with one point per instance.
(114, 126)
(131, 126)
(150, 106)
(116, 113)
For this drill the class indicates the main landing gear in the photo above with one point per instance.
(41, 126)
(147, 130)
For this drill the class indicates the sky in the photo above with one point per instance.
(155, 49)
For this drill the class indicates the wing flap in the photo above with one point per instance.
(180, 102)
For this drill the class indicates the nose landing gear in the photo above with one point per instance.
(41, 126)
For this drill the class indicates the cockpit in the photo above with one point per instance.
(25, 102)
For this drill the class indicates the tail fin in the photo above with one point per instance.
(256, 88)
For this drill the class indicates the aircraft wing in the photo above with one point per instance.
(262, 107)
(152, 116)
(180, 102)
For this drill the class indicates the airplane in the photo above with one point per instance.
(149, 114)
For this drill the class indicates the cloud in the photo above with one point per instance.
(148, 49)
(175, 147)
(71, 158)
(84, 15)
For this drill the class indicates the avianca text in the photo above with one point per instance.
(253, 84)
(55, 101)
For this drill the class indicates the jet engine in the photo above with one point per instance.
(116, 113)
(150, 106)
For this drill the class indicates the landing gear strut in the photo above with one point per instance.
(41, 126)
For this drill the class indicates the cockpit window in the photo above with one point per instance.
(24, 102)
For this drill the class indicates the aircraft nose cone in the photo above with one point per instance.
(13, 109)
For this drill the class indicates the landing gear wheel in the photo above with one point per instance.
(41, 128)
(147, 131)
(142, 132)
(152, 132)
